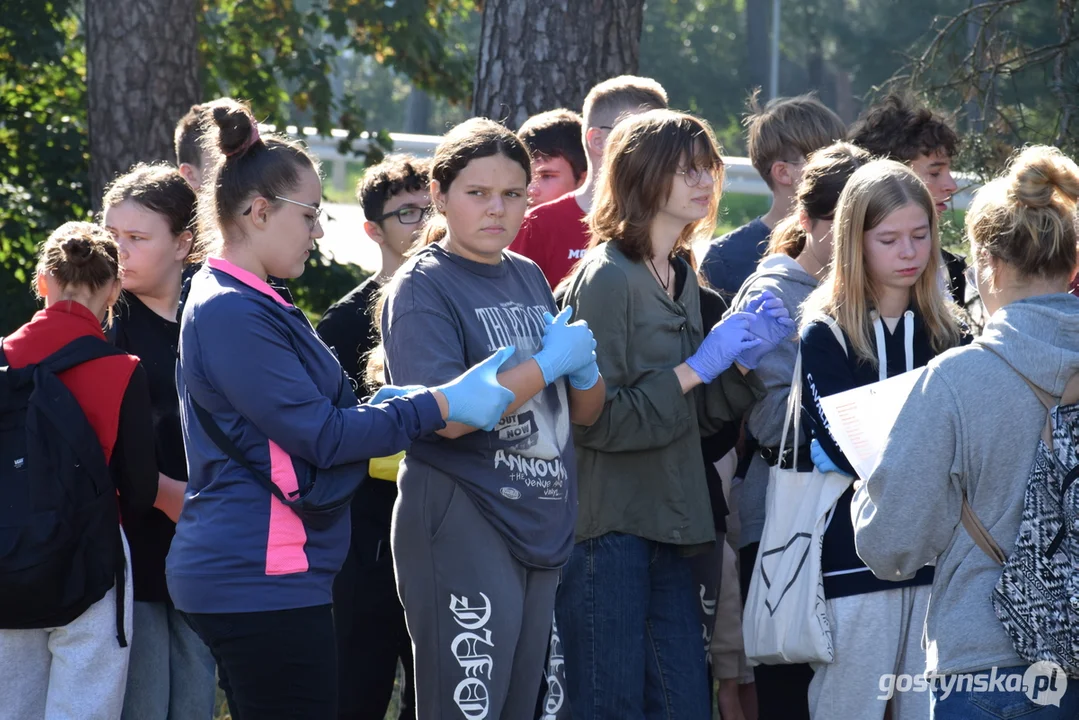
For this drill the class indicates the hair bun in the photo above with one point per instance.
(77, 250)
(237, 128)
(1039, 173)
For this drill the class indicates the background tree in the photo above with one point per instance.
(43, 150)
(1008, 70)
(535, 56)
(142, 74)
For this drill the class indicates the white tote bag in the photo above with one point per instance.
(785, 620)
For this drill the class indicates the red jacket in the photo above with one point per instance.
(98, 385)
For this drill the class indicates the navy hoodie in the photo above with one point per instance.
(827, 369)
(253, 361)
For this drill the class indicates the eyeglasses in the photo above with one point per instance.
(694, 176)
(407, 215)
(311, 222)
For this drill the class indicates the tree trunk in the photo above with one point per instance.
(142, 76)
(537, 56)
(758, 59)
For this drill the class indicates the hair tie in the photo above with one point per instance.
(250, 142)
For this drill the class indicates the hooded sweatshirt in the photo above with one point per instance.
(783, 277)
(970, 425)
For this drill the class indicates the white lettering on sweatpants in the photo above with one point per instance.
(471, 693)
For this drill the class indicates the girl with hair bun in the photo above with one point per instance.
(252, 575)
(971, 427)
(150, 211)
(78, 668)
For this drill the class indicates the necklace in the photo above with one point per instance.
(666, 285)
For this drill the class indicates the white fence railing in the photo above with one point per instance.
(741, 176)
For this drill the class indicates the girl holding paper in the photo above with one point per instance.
(881, 294)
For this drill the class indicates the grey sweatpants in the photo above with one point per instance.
(78, 670)
(478, 618)
(873, 635)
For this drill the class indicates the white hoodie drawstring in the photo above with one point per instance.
(908, 340)
(908, 343)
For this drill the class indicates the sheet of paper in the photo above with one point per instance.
(861, 419)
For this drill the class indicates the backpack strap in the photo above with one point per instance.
(970, 520)
(227, 446)
(838, 332)
(78, 351)
(979, 534)
(1071, 391)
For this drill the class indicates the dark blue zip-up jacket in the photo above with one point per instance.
(829, 368)
(254, 362)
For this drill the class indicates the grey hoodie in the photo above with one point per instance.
(971, 424)
(784, 278)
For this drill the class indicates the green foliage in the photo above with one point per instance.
(44, 161)
(1009, 70)
(736, 209)
(289, 76)
(323, 283)
(278, 54)
(693, 48)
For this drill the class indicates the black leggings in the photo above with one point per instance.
(368, 617)
(782, 690)
(274, 664)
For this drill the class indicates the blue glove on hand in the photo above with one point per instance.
(476, 398)
(585, 378)
(386, 392)
(771, 323)
(822, 461)
(567, 348)
(726, 341)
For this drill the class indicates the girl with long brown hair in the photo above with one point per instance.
(628, 591)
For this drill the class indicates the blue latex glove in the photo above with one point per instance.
(567, 347)
(771, 323)
(585, 378)
(386, 392)
(726, 341)
(822, 461)
(476, 398)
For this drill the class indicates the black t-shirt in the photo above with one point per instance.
(140, 331)
(347, 328)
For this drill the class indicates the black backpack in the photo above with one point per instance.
(60, 543)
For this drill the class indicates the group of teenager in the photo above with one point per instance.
(528, 459)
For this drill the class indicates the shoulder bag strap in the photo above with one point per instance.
(225, 444)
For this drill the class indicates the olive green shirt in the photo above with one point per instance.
(640, 469)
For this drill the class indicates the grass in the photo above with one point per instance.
(353, 172)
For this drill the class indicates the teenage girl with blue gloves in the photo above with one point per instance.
(627, 608)
(484, 516)
(252, 577)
